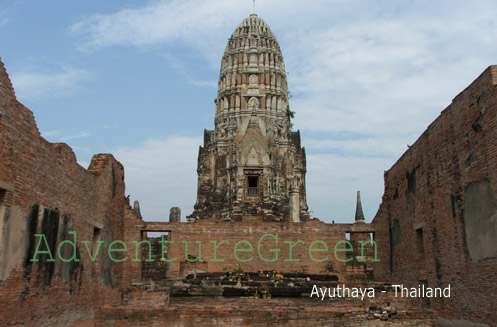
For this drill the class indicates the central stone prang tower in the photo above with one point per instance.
(252, 167)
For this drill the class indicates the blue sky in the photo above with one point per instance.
(138, 79)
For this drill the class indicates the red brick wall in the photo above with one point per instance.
(139, 295)
(47, 175)
(438, 205)
(258, 312)
(233, 232)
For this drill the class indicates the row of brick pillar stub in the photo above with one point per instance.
(174, 215)
(175, 212)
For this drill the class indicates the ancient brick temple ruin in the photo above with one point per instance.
(252, 166)
(250, 254)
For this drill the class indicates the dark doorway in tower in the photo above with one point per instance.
(253, 185)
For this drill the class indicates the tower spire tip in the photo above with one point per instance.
(359, 215)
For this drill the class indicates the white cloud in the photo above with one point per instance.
(197, 24)
(358, 146)
(333, 180)
(51, 134)
(161, 173)
(74, 136)
(201, 83)
(36, 85)
(386, 76)
(187, 73)
(367, 77)
(364, 67)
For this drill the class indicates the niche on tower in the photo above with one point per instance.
(253, 178)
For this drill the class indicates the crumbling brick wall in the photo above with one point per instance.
(202, 311)
(438, 219)
(203, 233)
(43, 190)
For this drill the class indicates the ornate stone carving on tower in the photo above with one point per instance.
(252, 166)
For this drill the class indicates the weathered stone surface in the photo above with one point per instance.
(252, 166)
(174, 215)
(437, 223)
(202, 311)
(43, 190)
(480, 220)
(458, 323)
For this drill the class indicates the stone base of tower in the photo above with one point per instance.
(255, 178)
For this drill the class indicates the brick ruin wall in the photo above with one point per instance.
(44, 190)
(256, 312)
(438, 219)
(437, 224)
(206, 232)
